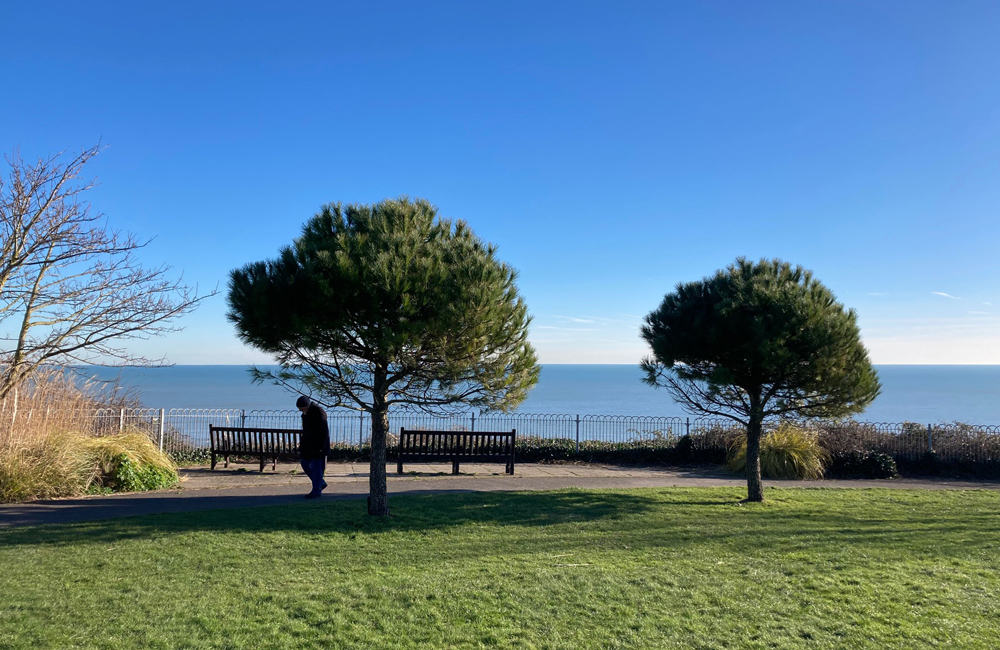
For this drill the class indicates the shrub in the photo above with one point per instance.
(535, 449)
(193, 456)
(786, 452)
(129, 476)
(929, 464)
(130, 462)
(711, 444)
(532, 449)
(861, 464)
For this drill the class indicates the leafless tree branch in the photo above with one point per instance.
(70, 285)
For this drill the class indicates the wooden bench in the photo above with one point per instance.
(265, 443)
(457, 446)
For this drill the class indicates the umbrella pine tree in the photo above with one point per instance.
(385, 306)
(756, 341)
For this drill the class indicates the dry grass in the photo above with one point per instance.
(53, 442)
(56, 465)
(136, 446)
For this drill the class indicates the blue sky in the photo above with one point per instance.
(611, 150)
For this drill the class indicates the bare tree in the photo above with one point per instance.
(71, 288)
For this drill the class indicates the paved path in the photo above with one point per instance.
(242, 486)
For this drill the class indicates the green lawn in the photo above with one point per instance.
(670, 568)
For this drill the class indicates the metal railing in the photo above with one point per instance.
(183, 430)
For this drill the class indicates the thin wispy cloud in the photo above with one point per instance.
(564, 329)
(988, 303)
(601, 319)
(591, 320)
(981, 313)
(945, 295)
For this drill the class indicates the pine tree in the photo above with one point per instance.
(388, 306)
(757, 341)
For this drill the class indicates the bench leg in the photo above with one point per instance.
(262, 461)
(399, 466)
(213, 460)
(226, 464)
(274, 464)
(454, 467)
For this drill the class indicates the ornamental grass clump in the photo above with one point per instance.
(46, 467)
(51, 444)
(788, 452)
(40, 454)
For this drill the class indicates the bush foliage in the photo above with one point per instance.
(861, 464)
(129, 476)
(130, 462)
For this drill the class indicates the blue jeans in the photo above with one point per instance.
(314, 468)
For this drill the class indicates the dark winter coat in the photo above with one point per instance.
(315, 439)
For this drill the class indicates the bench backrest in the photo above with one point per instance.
(478, 444)
(254, 440)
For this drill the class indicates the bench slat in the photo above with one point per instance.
(457, 446)
(250, 441)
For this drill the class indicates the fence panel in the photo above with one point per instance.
(533, 425)
(186, 430)
(347, 428)
(417, 420)
(966, 443)
(628, 428)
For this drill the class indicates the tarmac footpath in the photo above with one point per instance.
(243, 486)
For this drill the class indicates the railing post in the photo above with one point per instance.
(361, 428)
(243, 418)
(687, 426)
(578, 434)
(473, 421)
(930, 440)
(162, 413)
(121, 421)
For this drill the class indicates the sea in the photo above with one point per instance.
(910, 393)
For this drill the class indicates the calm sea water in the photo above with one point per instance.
(910, 393)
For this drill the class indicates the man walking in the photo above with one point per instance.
(314, 443)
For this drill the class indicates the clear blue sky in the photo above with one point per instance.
(609, 149)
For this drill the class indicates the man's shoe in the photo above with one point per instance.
(324, 486)
(313, 495)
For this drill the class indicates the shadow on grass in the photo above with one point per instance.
(673, 520)
(410, 512)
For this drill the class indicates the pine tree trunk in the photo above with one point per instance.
(755, 486)
(378, 494)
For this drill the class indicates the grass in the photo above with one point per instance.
(787, 452)
(671, 568)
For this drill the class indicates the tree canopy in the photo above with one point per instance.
(387, 305)
(755, 341)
